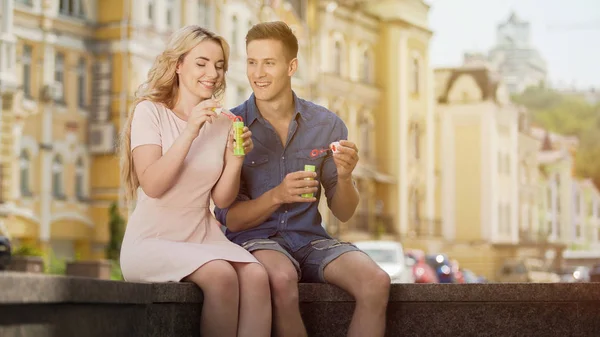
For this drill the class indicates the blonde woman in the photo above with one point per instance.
(179, 151)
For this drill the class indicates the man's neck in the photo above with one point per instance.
(281, 108)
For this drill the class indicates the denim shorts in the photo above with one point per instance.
(310, 261)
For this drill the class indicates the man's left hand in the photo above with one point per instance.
(346, 159)
(247, 143)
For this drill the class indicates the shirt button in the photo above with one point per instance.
(253, 162)
(285, 212)
(282, 221)
(282, 158)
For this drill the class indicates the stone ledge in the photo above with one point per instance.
(38, 288)
(41, 305)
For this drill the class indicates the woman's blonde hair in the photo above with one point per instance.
(162, 86)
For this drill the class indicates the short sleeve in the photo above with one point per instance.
(145, 126)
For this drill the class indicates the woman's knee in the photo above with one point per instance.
(216, 278)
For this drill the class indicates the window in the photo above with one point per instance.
(27, 52)
(415, 76)
(170, 9)
(204, 13)
(59, 74)
(79, 179)
(299, 8)
(416, 211)
(81, 83)
(57, 178)
(71, 8)
(366, 67)
(337, 58)
(25, 2)
(241, 94)
(24, 166)
(150, 10)
(365, 137)
(234, 34)
(415, 141)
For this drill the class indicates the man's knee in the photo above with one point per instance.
(375, 287)
(284, 287)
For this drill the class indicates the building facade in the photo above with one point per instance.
(46, 160)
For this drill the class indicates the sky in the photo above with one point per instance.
(566, 33)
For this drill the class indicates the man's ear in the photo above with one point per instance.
(293, 66)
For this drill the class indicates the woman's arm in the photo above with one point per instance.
(156, 172)
(228, 186)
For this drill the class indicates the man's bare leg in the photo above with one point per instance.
(357, 274)
(283, 279)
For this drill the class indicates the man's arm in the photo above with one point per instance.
(337, 177)
(246, 214)
(345, 200)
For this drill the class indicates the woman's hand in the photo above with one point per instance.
(202, 113)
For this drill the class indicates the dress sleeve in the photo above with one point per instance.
(145, 125)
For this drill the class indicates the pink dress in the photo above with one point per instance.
(168, 238)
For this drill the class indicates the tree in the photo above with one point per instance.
(116, 227)
(568, 115)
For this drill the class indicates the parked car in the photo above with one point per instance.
(526, 270)
(389, 255)
(422, 272)
(442, 266)
(470, 276)
(595, 273)
(5, 251)
(574, 274)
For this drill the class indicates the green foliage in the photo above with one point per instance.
(27, 250)
(55, 265)
(113, 250)
(568, 115)
(116, 227)
(115, 271)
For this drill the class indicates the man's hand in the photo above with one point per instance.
(294, 185)
(345, 159)
(246, 139)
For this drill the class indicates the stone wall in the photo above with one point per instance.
(52, 306)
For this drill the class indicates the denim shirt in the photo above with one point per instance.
(311, 131)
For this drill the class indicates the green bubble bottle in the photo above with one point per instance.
(238, 129)
(308, 168)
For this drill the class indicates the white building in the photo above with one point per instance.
(514, 56)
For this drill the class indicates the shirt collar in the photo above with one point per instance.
(253, 113)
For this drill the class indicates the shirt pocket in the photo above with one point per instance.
(255, 174)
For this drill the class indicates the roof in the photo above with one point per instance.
(486, 80)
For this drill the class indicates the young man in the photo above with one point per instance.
(271, 219)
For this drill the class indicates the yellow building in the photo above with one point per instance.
(489, 172)
(372, 69)
(44, 135)
(529, 181)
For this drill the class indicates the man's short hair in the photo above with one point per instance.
(275, 30)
